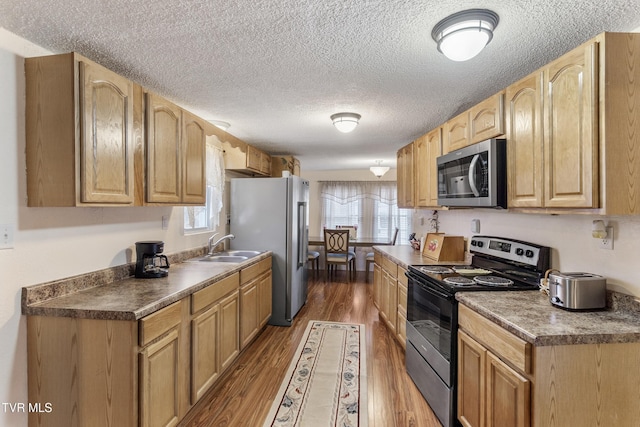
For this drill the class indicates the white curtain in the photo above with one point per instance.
(369, 205)
(215, 183)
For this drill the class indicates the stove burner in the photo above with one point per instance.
(492, 281)
(436, 269)
(459, 281)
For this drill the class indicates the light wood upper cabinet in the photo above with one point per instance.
(427, 148)
(244, 158)
(456, 133)
(581, 112)
(487, 119)
(163, 151)
(405, 178)
(525, 154)
(175, 154)
(571, 129)
(79, 130)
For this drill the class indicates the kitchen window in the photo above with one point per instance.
(371, 205)
(206, 218)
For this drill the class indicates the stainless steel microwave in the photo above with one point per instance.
(474, 176)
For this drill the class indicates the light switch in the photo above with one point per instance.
(6, 236)
(475, 225)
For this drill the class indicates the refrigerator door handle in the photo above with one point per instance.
(302, 227)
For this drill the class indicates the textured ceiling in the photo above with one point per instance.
(277, 69)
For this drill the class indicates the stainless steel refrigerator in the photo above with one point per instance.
(271, 214)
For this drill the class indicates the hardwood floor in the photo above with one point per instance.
(245, 393)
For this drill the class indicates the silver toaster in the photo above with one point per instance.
(577, 291)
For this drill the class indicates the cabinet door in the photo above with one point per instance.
(487, 119)
(405, 177)
(525, 142)
(248, 313)
(508, 395)
(421, 171)
(456, 133)
(471, 381)
(433, 150)
(164, 152)
(265, 164)
(159, 382)
(254, 158)
(377, 285)
(264, 299)
(194, 140)
(106, 145)
(392, 303)
(571, 136)
(401, 322)
(229, 330)
(205, 356)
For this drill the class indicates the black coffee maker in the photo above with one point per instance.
(149, 262)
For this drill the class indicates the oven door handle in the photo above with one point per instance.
(433, 291)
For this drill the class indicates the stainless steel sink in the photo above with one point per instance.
(235, 255)
(248, 254)
(224, 258)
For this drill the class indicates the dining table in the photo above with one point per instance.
(357, 242)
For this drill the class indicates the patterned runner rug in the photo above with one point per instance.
(326, 383)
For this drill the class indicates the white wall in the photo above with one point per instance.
(569, 236)
(53, 243)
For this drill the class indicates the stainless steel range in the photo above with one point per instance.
(498, 264)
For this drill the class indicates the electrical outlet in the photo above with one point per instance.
(6, 236)
(607, 242)
(165, 222)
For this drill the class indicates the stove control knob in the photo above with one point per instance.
(474, 243)
(519, 251)
(529, 253)
(480, 244)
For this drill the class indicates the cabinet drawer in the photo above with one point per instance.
(510, 348)
(214, 292)
(156, 324)
(255, 270)
(390, 266)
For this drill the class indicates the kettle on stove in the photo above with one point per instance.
(149, 261)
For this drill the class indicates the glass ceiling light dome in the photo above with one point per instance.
(379, 170)
(345, 122)
(463, 35)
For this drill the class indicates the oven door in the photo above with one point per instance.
(474, 175)
(432, 316)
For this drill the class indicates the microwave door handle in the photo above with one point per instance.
(472, 175)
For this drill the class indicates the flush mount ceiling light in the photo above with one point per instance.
(345, 122)
(220, 124)
(463, 35)
(379, 170)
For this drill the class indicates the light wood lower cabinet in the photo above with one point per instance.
(255, 300)
(145, 373)
(505, 381)
(390, 295)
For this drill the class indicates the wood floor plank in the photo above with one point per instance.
(243, 396)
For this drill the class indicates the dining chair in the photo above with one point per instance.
(314, 258)
(370, 258)
(336, 251)
(353, 230)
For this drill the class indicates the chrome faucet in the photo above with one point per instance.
(213, 244)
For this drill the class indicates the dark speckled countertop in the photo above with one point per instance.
(129, 298)
(530, 316)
